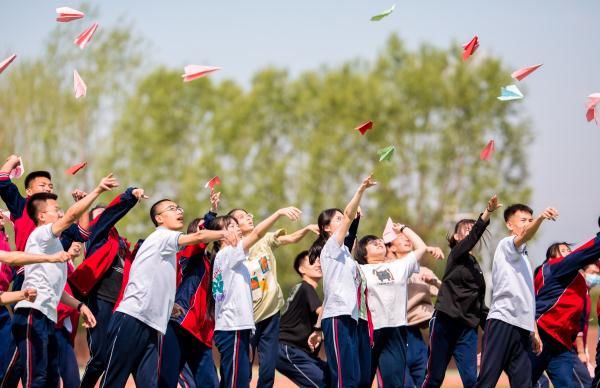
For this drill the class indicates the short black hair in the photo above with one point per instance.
(153, 211)
(33, 205)
(512, 209)
(92, 210)
(298, 261)
(360, 253)
(36, 174)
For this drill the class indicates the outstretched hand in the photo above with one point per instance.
(367, 182)
(108, 183)
(139, 194)
(549, 213)
(215, 197)
(493, 204)
(290, 212)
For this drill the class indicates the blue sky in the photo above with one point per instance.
(243, 36)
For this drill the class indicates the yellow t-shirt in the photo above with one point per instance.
(267, 296)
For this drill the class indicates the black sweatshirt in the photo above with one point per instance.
(463, 286)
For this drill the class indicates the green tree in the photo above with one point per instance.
(285, 141)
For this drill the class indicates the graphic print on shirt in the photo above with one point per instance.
(258, 280)
(217, 285)
(384, 276)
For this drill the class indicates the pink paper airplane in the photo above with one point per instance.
(524, 72)
(66, 14)
(213, 182)
(389, 234)
(591, 112)
(83, 38)
(486, 153)
(18, 171)
(78, 85)
(75, 168)
(195, 71)
(4, 64)
(364, 127)
(469, 48)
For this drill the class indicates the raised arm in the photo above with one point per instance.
(419, 246)
(298, 235)
(78, 208)
(8, 190)
(259, 230)
(17, 258)
(532, 228)
(204, 236)
(467, 244)
(351, 209)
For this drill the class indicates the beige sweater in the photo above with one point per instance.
(420, 307)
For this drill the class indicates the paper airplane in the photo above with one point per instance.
(18, 171)
(78, 85)
(75, 168)
(195, 71)
(383, 14)
(66, 14)
(510, 92)
(213, 182)
(364, 127)
(389, 234)
(470, 48)
(4, 64)
(83, 38)
(524, 72)
(386, 153)
(591, 112)
(486, 153)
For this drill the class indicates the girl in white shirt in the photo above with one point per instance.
(234, 321)
(341, 287)
(387, 299)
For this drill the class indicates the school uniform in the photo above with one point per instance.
(560, 303)
(99, 279)
(510, 322)
(295, 359)
(140, 320)
(387, 299)
(234, 320)
(459, 310)
(341, 287)
(23, 226)
(189, 336)
(6, 341)
(419, 310)
(267, 299)
(35, 360)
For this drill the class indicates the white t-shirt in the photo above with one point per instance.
(513, 298)
(48, 278)
(150, 292)
(341, 281)
(386, 289)
(231, 290)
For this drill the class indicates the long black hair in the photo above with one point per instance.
(324, 220)
(218, 223)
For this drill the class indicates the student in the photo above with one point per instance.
(341, 287)
(140, 320)
(231, 289)
(33, 322)
(296, 360)
(35, 182)
(190, 333)
(560, 303)
(582, 367)
(386, 284)
(460, 305)
(99, 278)
(267, 297)
(510, 327)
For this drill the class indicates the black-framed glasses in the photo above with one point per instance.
(172, 208)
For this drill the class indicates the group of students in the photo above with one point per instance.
(154, 309)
